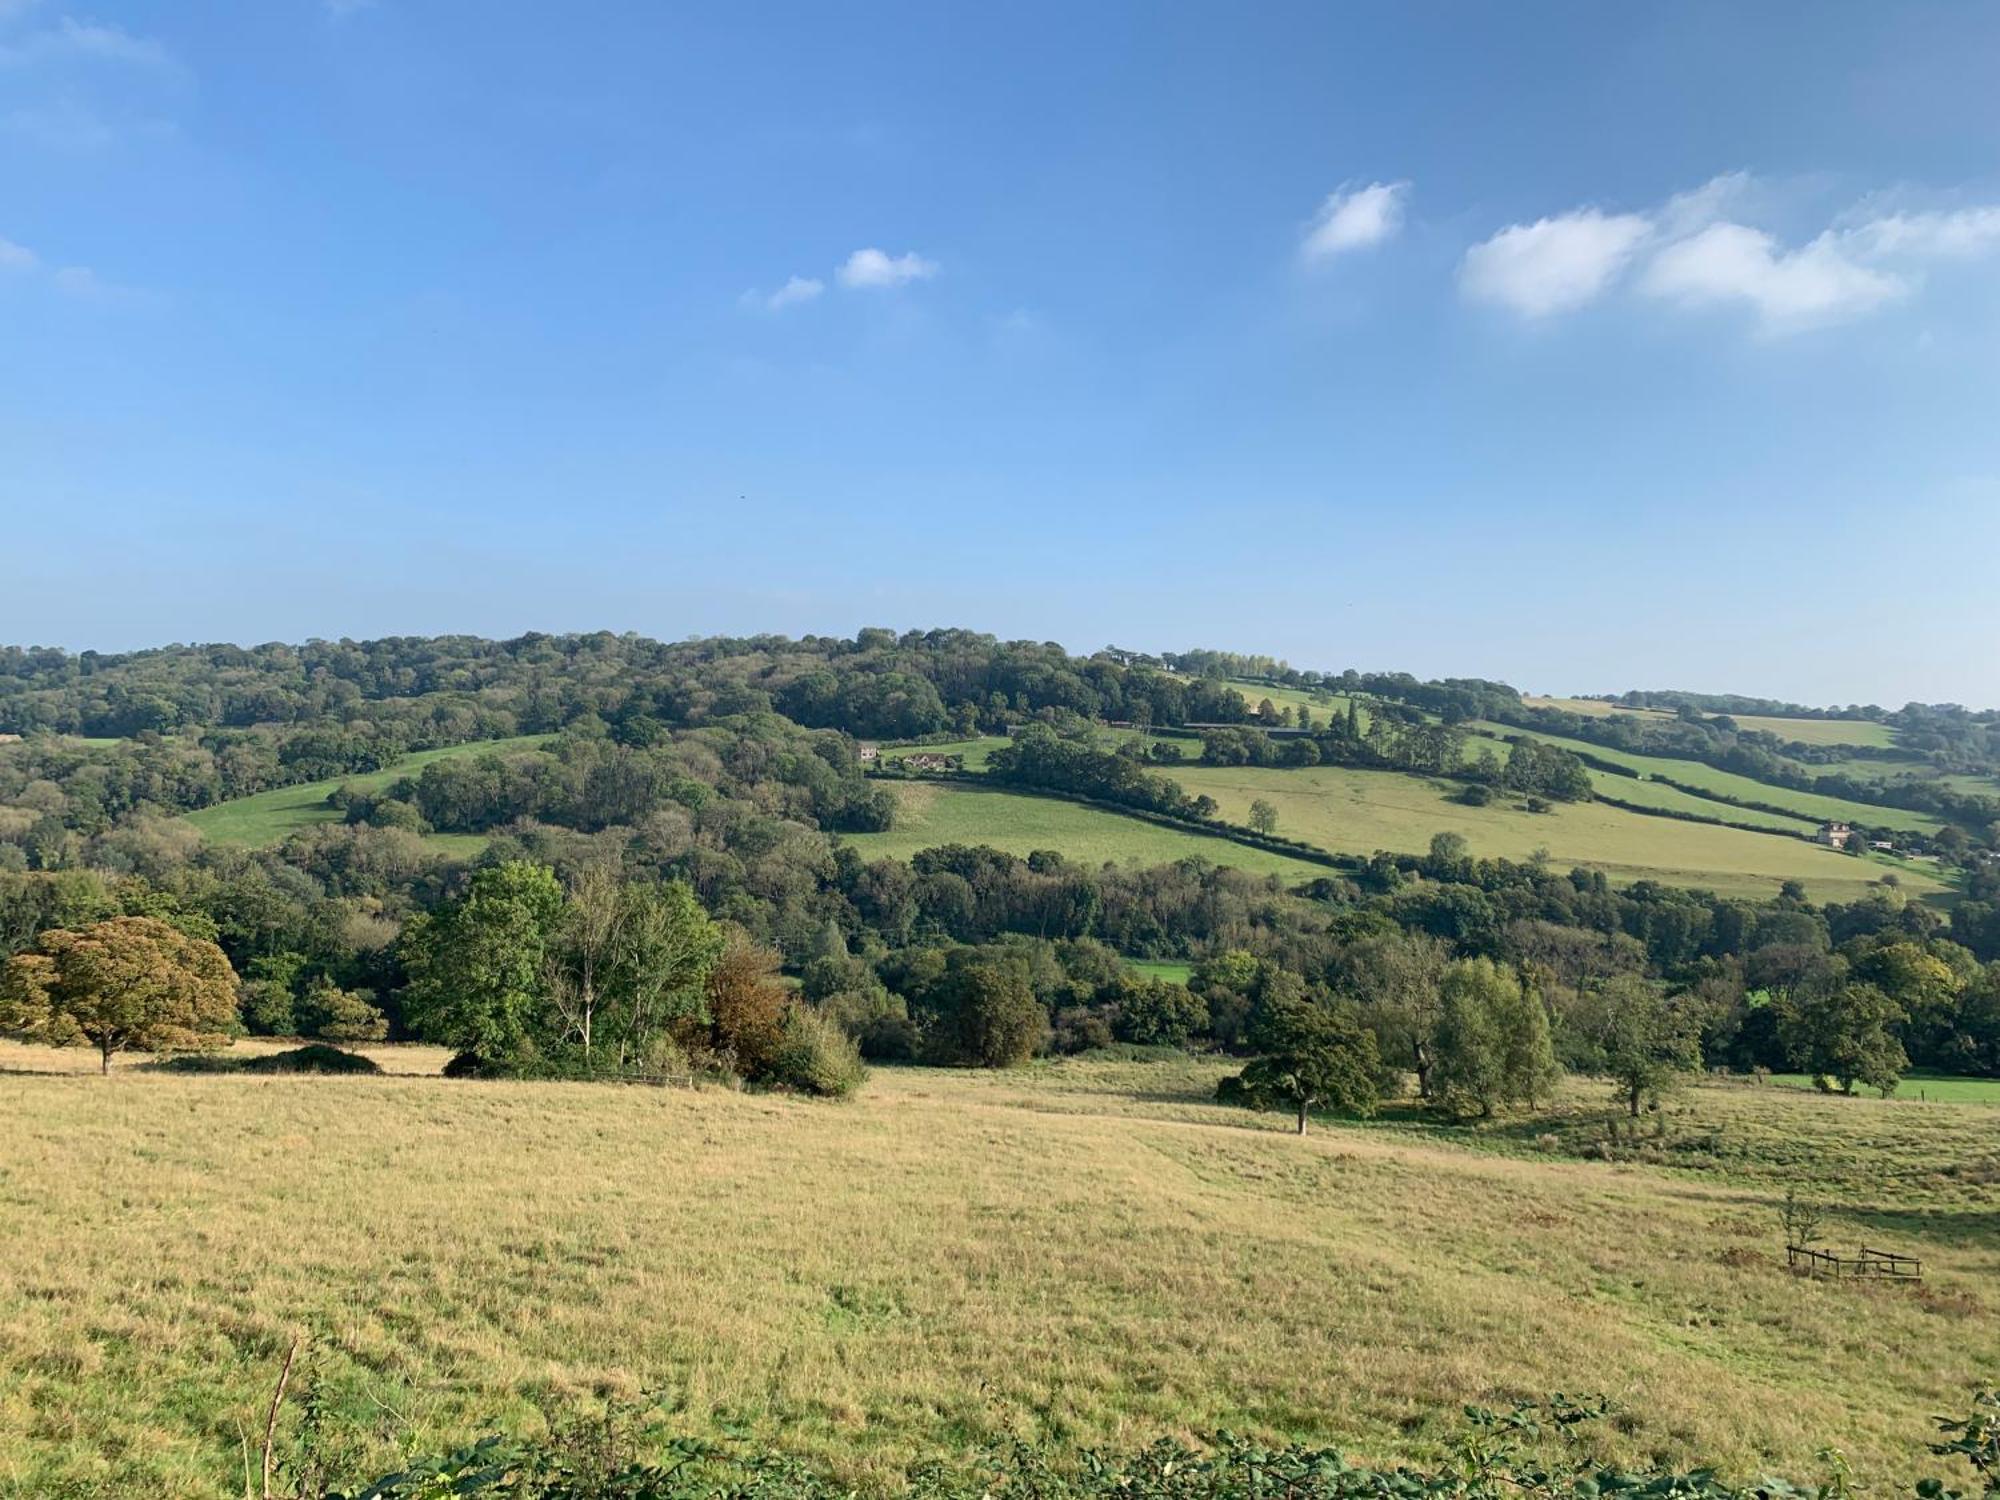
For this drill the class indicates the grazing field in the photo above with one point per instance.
(1728, 784)
(271, 817)
(1081, 1253)
(1172, 970)
(1820, 731)
(934, 813)
(1658, 794)
(1943, 1088)
(1359, 811)
(1593, 708)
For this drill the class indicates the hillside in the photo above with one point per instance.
(1082, 1252)
(1360, 811)
(266, 818)
(932, 813)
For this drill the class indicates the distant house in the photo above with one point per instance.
(928, 762)
(1883, 846)
(869, 753)
(1835, 834)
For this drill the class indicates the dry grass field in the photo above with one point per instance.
(1081, 1252)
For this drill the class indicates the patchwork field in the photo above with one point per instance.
(1357, 811)
(933, 813)
(271, 817)
(1707, 778)
(1082, 1253)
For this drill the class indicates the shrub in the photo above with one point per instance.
(813, 1056)
(315, 1058)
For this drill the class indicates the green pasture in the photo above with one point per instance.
(1348, 810)
(1172, 970)
(1935, 1088)
(266, 818)
(934, 813)
(1728, 784)
(1820, 731)
(1673, 800)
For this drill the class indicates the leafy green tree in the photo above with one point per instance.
(1469, 1075)
(1313, 1057)
(129, 983)
(478, 965)
(994, 1021)
(1395, 978)
(1263, 816)
(341, 1015)
(1845, 1031)
(1154, 1013)
(1528, 1067)
(1647, 1038)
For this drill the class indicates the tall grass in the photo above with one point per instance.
(1076, 1253)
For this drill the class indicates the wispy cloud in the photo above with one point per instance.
(89, 41)
(798, 289)
(1354, 219)
(878, 268)
(1552, 265)
(17, 260)
(1703, 249)
(1727, 262)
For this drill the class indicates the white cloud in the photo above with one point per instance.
(90, 41)
(1817, 283)
(877, 268)
(15, 257)
(1552, 265)
(798, 289)
(1957, 235)
(1707, 248)
(1353, 219)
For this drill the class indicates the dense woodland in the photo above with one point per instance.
(664, 883)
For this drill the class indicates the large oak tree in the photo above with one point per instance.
(127, 984)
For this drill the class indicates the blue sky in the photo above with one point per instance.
(1586, 346)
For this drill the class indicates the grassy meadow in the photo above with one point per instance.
(1080, 1252)
(1931, 1087)
(1820, 731)
(1349, 810)
(271, 817)
(1591, 708)
(934, 813)
(1707, 778)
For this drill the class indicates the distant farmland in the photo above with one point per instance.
(1707, 778)
(1343, 809)
(934, 813)
(271, 817)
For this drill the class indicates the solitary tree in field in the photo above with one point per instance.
(128, 984)
(1263, 816)
(1315, 1057)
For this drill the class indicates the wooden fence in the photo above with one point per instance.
(1879, 1265)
